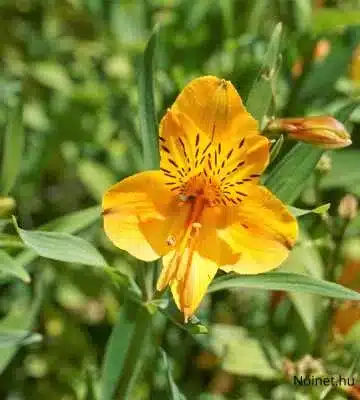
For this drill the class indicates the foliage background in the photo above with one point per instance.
(69, 79)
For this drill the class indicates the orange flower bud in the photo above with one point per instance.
(323, 131)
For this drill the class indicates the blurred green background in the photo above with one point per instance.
(69, 75)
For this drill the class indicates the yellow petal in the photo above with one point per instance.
(260, 230)
(191, 272)
(216, 108)
(182, 147)
(188, 295)
(142, 216)
(239, 164)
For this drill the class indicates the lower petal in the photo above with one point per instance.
(190, 272)
(189, 288)
(260, 230)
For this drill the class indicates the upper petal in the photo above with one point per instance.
(183, 147)
(260, 230)
(216, 108)
(141, 215)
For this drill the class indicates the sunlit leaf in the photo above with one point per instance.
(298, 212)
(285, 281)
(289, 176)
(261, 93)
(71, 223)
(148, 124)
(20, 320)
(13, 144)
(173, 391)
(9, 338)
(9, 267)
(229, 342)
(62, 247)
(122, 360)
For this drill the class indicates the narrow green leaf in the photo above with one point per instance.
(74, 222)
(147, 113)
(173, 390)
(275, 148)
(298, 212)
(9, 267)
(323, 75)
(257, 15)
(9, 338)
(71, 223)
(259, 98)
(124, 349)
(95, 177)
(287, 282)
(229, 341)
(12, 150)
(22, 320)
(289, 176)
(344, 172)
(327, 19)
(61, 247)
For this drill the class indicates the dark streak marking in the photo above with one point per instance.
(229, 154)
(241, 143)
(241, 194)
(173, 163)
(206, 148)
(165, 170)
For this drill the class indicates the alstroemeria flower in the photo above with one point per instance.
(204, 209)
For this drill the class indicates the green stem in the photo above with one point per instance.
(327, 316)
(136, 353)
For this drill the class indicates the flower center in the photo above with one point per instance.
(203, 186)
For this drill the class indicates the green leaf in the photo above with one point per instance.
(298, 212)
(12, 150)
(124, 350)
(95, 177)
(228, 342)
(9, 338)
(288, 178)
(305, 258)
(147, 113)
(327, 19)
(275, 148)
(173, 390)
(287, 282)
(323, 75)
(53, 75)
(344, 172)
(9, 267)
(20, 319)
(261, 93)
(71, 223)
(74, 222)
(61, 247)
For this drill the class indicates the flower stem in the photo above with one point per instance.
(136, 353)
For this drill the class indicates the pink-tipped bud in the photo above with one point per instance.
(323, 131)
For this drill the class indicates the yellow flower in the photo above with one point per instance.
(204, 209)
